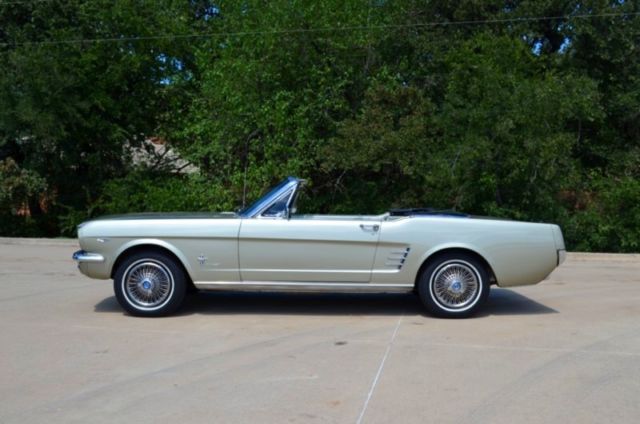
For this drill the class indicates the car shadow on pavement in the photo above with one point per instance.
(509, 302)
(500, 302)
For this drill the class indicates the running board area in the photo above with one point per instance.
(295, 286)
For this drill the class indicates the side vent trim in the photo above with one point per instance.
(397, 257)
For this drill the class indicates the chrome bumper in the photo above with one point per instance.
(562, 256)
(83, 256)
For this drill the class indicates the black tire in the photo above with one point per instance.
(150, 284)
(454, 285)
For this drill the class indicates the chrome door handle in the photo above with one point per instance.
(373, 228)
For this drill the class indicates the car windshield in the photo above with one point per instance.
(251, 209)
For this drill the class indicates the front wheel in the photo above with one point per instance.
(150, 284)
(454, 285)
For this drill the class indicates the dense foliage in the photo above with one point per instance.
(528, 109)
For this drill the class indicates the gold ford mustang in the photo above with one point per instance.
(449, 259)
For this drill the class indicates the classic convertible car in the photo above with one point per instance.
(449, 259)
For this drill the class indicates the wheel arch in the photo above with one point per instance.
(151, 245)
(436, 253)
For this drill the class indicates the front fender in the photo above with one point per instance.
(155, 243)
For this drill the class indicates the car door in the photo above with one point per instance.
(308, 249)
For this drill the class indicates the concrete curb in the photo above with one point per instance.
(605, 257)
(38, 241)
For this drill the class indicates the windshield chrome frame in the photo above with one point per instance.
(254, 211)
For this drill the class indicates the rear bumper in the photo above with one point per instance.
(562, 256)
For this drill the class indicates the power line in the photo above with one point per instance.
(23, 2)
(318, 30)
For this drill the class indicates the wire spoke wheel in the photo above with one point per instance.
(148, 284)
(455, 285)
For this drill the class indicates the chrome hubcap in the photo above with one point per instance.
(148, 284)
(455, 285)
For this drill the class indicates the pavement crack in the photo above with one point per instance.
(380, 368)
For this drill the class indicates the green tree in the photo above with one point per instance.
(524, 109)
(20, 191)
(70, 110)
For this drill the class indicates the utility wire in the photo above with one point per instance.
(318, 30)
(23, 2)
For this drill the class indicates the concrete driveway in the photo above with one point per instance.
(566, 350)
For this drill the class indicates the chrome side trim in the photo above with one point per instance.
(323, 271)
(314, 271)
(83, 256)
(397, 258)
(300, 286)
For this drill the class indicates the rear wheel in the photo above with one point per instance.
(454, 285)
(150, 284)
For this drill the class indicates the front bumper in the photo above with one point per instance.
(84, 256)
(93, 265)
